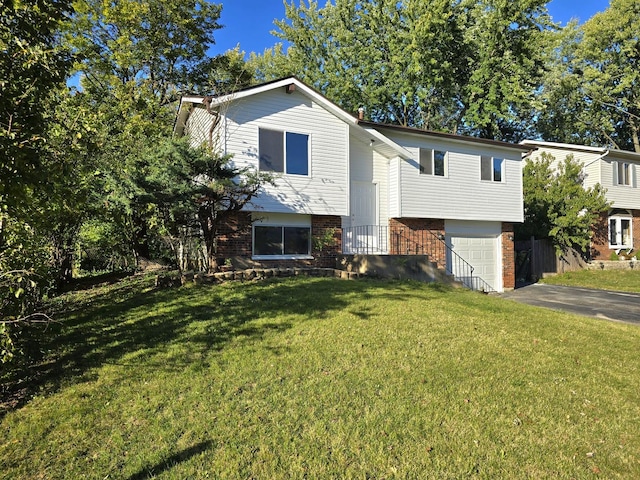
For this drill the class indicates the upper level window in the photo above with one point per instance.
(491, 169)
(283, 152)
(432, 162)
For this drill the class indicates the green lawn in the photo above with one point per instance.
(617, 280)
(323, 378)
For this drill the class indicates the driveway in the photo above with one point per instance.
(620, 306)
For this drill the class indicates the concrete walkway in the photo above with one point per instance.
(620, 306)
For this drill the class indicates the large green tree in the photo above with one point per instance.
(593, 93)
(506, 43)
(469, 66)
(557, 205)
(32, 64)
(136, 58)
(196, 187)
(395, 59)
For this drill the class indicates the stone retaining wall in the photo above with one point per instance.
(175, 279)
(614, 265)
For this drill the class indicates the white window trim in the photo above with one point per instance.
(284, 151)
(433, 163)
(618, 217)
(630, 175)
(502, 169)
(280, 257)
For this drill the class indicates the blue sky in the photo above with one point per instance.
(248, 22)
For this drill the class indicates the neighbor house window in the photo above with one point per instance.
(491, 169)
(281, 241)
(432, 162)
(620, 234)
(283, 152)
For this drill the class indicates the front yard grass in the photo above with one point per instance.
(616, 280)
(323, 378)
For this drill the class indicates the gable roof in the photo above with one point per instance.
(448, 136)
(290, 84)
(367, 129)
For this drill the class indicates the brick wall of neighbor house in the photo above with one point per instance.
(600, 240)
(418, 236)
(234, 241)
(508, 257)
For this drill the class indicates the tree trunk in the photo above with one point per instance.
(140, 238)
(635, 136)
(207, 220)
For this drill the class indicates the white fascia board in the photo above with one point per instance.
(377, 136)
(624, 154)
(191, 99)
(564, 146)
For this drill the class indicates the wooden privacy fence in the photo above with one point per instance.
(537, 258)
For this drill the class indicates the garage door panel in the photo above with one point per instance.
(480, 252)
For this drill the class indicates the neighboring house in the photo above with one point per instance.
(617, 172)
(381, 189)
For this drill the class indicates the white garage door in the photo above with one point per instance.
(482, 253)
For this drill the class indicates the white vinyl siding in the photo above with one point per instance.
(461, 195)
(622, 196)
(395, 188)
(198, 126)
(324, 191)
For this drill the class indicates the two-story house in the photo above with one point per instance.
(617, 172)
(383, 189)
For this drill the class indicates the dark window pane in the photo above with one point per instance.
(426, 161)
(267, 241)
(271, 148)
(485, 168)
(497, 169)
(296, 240)
(613, 234)
(297, 154)
(438, 163)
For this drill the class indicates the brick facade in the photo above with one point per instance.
(600, 239)
(422, 236)
(418, 236)
(508, 257)
(235, 237)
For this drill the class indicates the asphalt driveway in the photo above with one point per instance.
(620, 306)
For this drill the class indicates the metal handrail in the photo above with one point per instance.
(375, 240)
(366, 240)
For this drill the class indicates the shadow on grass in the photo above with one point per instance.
(170, 462)
(133, 320)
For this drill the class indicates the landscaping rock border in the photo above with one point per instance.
(614, 265)
(174, 279)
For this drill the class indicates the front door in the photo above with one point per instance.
(364, 234)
